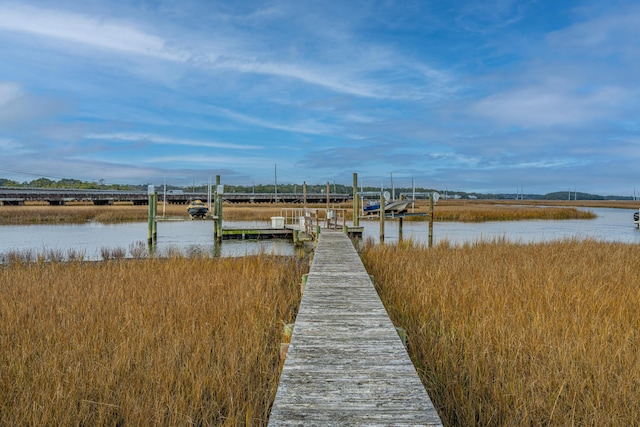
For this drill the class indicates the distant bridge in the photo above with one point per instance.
(58, 197)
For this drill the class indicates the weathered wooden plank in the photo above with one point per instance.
(346, 364)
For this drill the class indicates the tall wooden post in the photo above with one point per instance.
(304, 193)
(382, 218)
(218, 211)
(328, 195)
(356, 209)
(219, 218)
(431, 220)
(155, 215)
(215, 200)
(150, 193)
(400, 229)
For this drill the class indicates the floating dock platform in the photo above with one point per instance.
(260, 233)
(256, 233)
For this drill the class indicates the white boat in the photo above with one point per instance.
(394, 207)
(197, 209)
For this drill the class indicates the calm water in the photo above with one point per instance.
(185, 236)
(614, 225)
(91, 238)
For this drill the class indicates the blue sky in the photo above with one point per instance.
(486, 96)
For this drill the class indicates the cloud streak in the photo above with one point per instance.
(19, 108)
(162, 140)
(85, 30)
(548, 106)
(121, 37)
(463, 95)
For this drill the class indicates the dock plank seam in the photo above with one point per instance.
(346, 364)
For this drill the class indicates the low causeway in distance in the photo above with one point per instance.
(53, 196)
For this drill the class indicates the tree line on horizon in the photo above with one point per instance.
(70, 183)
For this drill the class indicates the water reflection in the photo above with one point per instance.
(93, 240)
(611, 225)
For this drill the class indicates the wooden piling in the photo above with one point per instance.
(304, 193)
(155, 215)
(400, 229)
(217, 211)
(382, 217)
(431, 220)
(356, 208)
(328, 194)
(151, 218)
(150, 221)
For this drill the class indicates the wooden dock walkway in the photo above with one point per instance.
(346, 364)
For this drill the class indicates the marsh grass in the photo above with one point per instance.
(77, 214)
(481, 212)
(178, 341)
(444, 211)
(264, 212)
(509, 334)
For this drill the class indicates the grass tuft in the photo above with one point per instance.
(143, 341)
(507, 334)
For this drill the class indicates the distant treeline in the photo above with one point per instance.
(298, 189)
(67, 183)
(558, 195)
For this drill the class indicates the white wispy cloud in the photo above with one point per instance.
(9, 92)
(577, 76)
(348, 76)
(11, 146)
(543, 106)
(467, 91)
(600, 35)
(326, 78)
(482, 16)
(313, 127)
(84, 29)
(547, 164)
(209, 161)
(19, 107)
(164, 140)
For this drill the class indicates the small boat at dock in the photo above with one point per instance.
(197, 209)
(393, 207)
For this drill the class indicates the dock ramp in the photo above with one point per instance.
(346, 364)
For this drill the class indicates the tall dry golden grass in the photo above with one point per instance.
(482, 211)
(445, 211)
(621, 204)
(506, 334)
(144, 342)
(44, 214)
(40, 214)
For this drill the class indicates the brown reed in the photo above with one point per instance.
(445, 210)
(39, 214)
(44, 214)
(180, 341)
(481, 212)
(506, 334)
